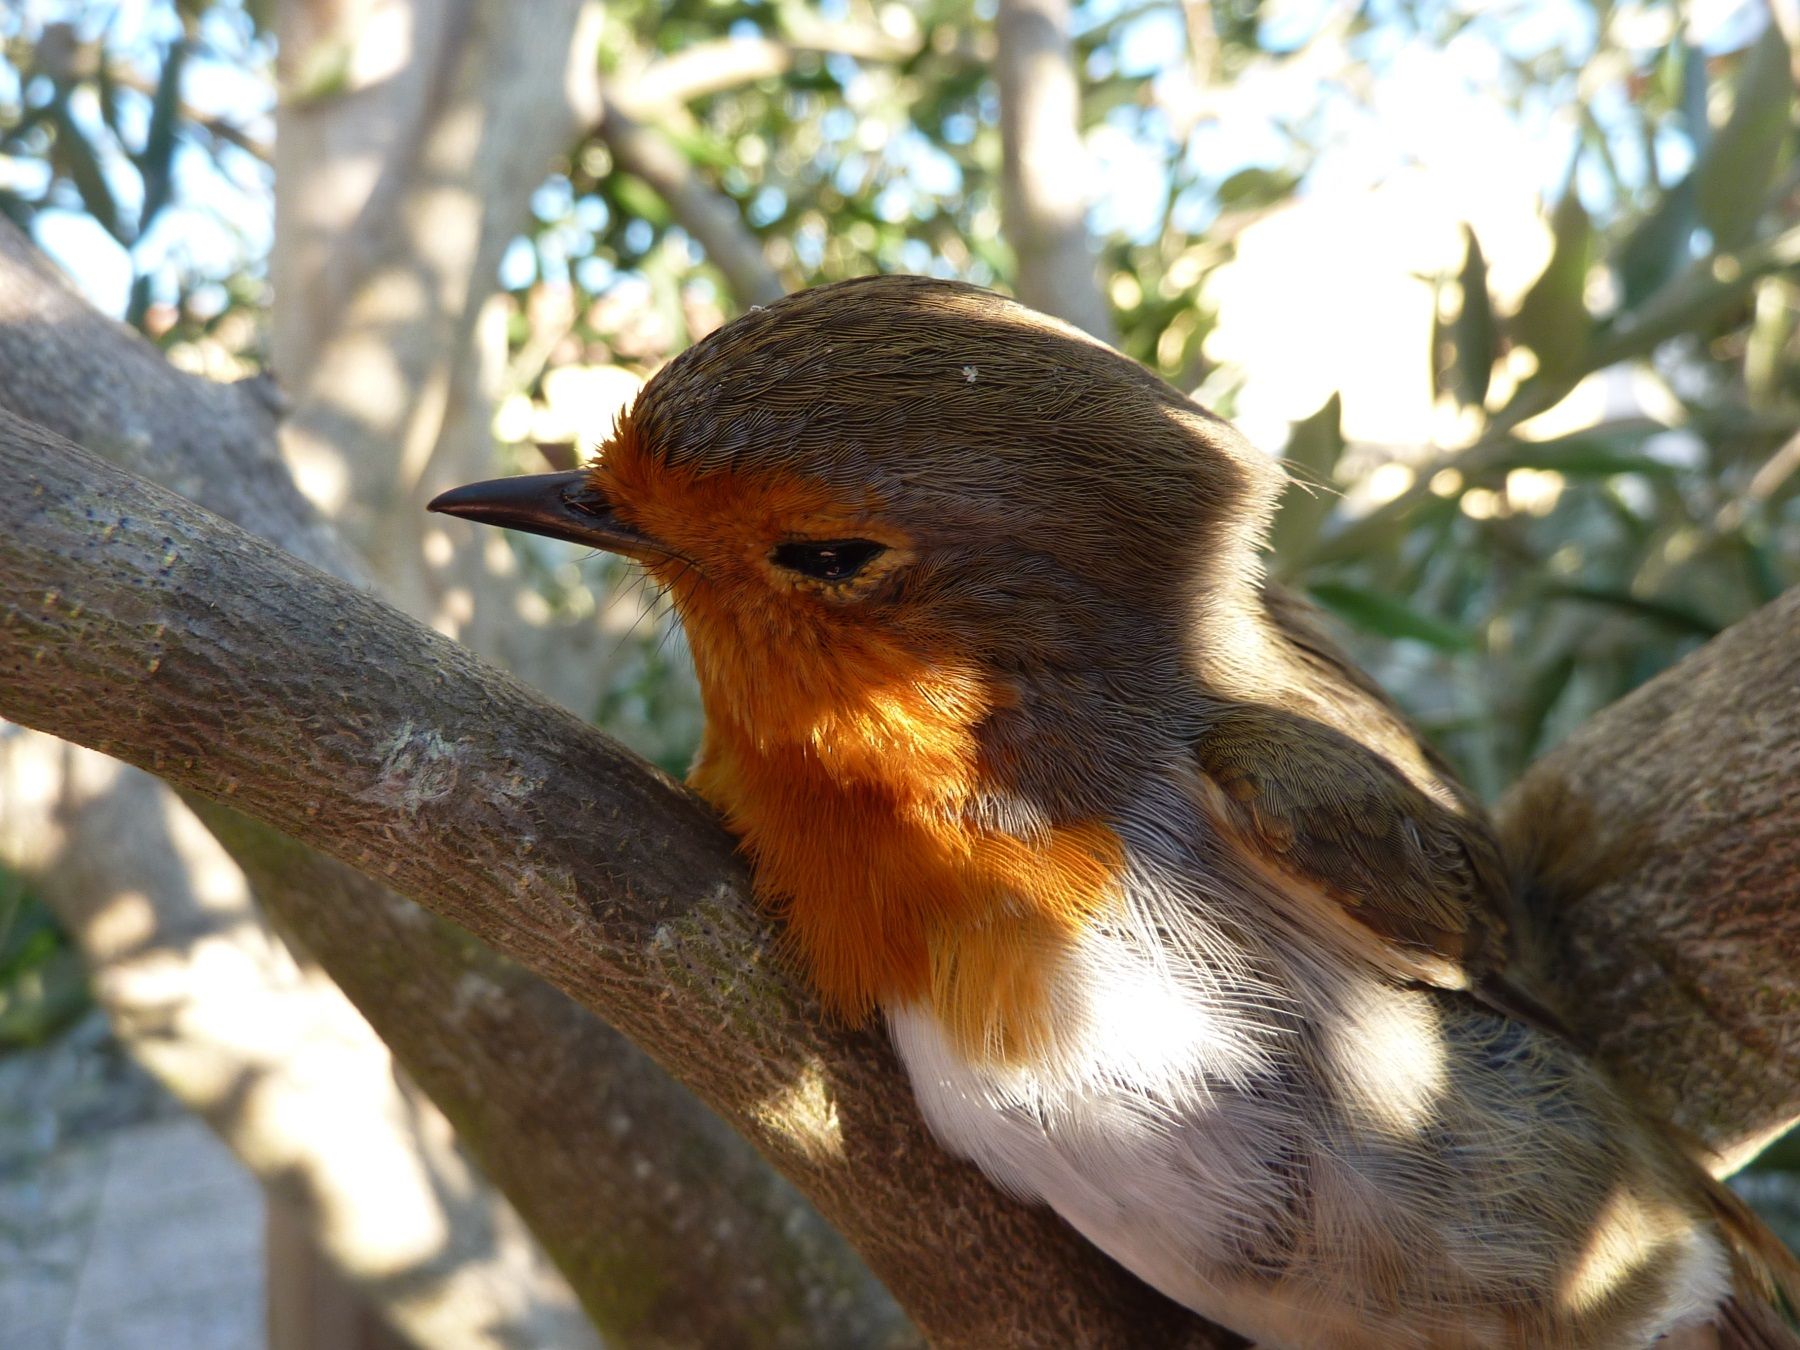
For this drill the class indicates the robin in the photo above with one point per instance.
(1177, 925)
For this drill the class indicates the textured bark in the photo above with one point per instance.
(1665, 839)
(671, 1229)
(192, 978)
(134, 622)
(1045, 164)
(67, 367)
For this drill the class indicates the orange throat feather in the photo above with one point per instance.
(861, 840)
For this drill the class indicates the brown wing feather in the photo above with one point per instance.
(1333, 797)
(1327, 813)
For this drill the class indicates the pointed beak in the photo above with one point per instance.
(558, 505)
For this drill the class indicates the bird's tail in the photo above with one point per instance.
(1759, 1315)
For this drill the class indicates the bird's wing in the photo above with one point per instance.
(1356, 850)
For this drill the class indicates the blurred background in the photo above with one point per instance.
(1513, 288)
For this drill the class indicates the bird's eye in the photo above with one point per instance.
(827, 559)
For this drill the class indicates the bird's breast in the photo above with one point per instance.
(892, 891)
(1137, 1112)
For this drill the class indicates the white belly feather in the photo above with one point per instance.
(1124, 1129)
(1177, 1123)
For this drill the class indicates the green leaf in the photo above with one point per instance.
(1472, 331)
(1388, 617)
(1576, 457)
(1733, 179)
(639, 199)
(1762, 567)
(702, 146)
(1666, 612)
(1661, 242)
(42, 985)
(1310, 458)
(1466, 344)
(1693, 93)
(12, 904)
(1255, 187)
(1552, 318)
(1659, 245)
(41, 1001)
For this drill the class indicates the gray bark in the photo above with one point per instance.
(400, 181)
(1663, 847)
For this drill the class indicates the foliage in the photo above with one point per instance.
(1520, 580)
(146, 127)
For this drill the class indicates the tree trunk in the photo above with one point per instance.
(1046, 163)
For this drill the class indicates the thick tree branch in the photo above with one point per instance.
(1046, 209)
(670, 82)
(134, 622)
(180, 958)
(1665, 841)
(667, 83)
(707, 214)
(620, 1178)
(66, 366)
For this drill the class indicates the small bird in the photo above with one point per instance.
(1177, 925)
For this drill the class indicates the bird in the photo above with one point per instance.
(1176, 924)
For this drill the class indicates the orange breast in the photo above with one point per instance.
(890, 894)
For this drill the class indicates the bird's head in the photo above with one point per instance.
(886, 503)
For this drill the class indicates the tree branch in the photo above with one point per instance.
(671, 1229)
(1046, 211)
(728, 63)
(180, 958)
(667, 84)
(1664, 837)
(784, 1275)
(711, 217)
(134, 622)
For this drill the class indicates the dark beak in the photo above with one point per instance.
(559, 505)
